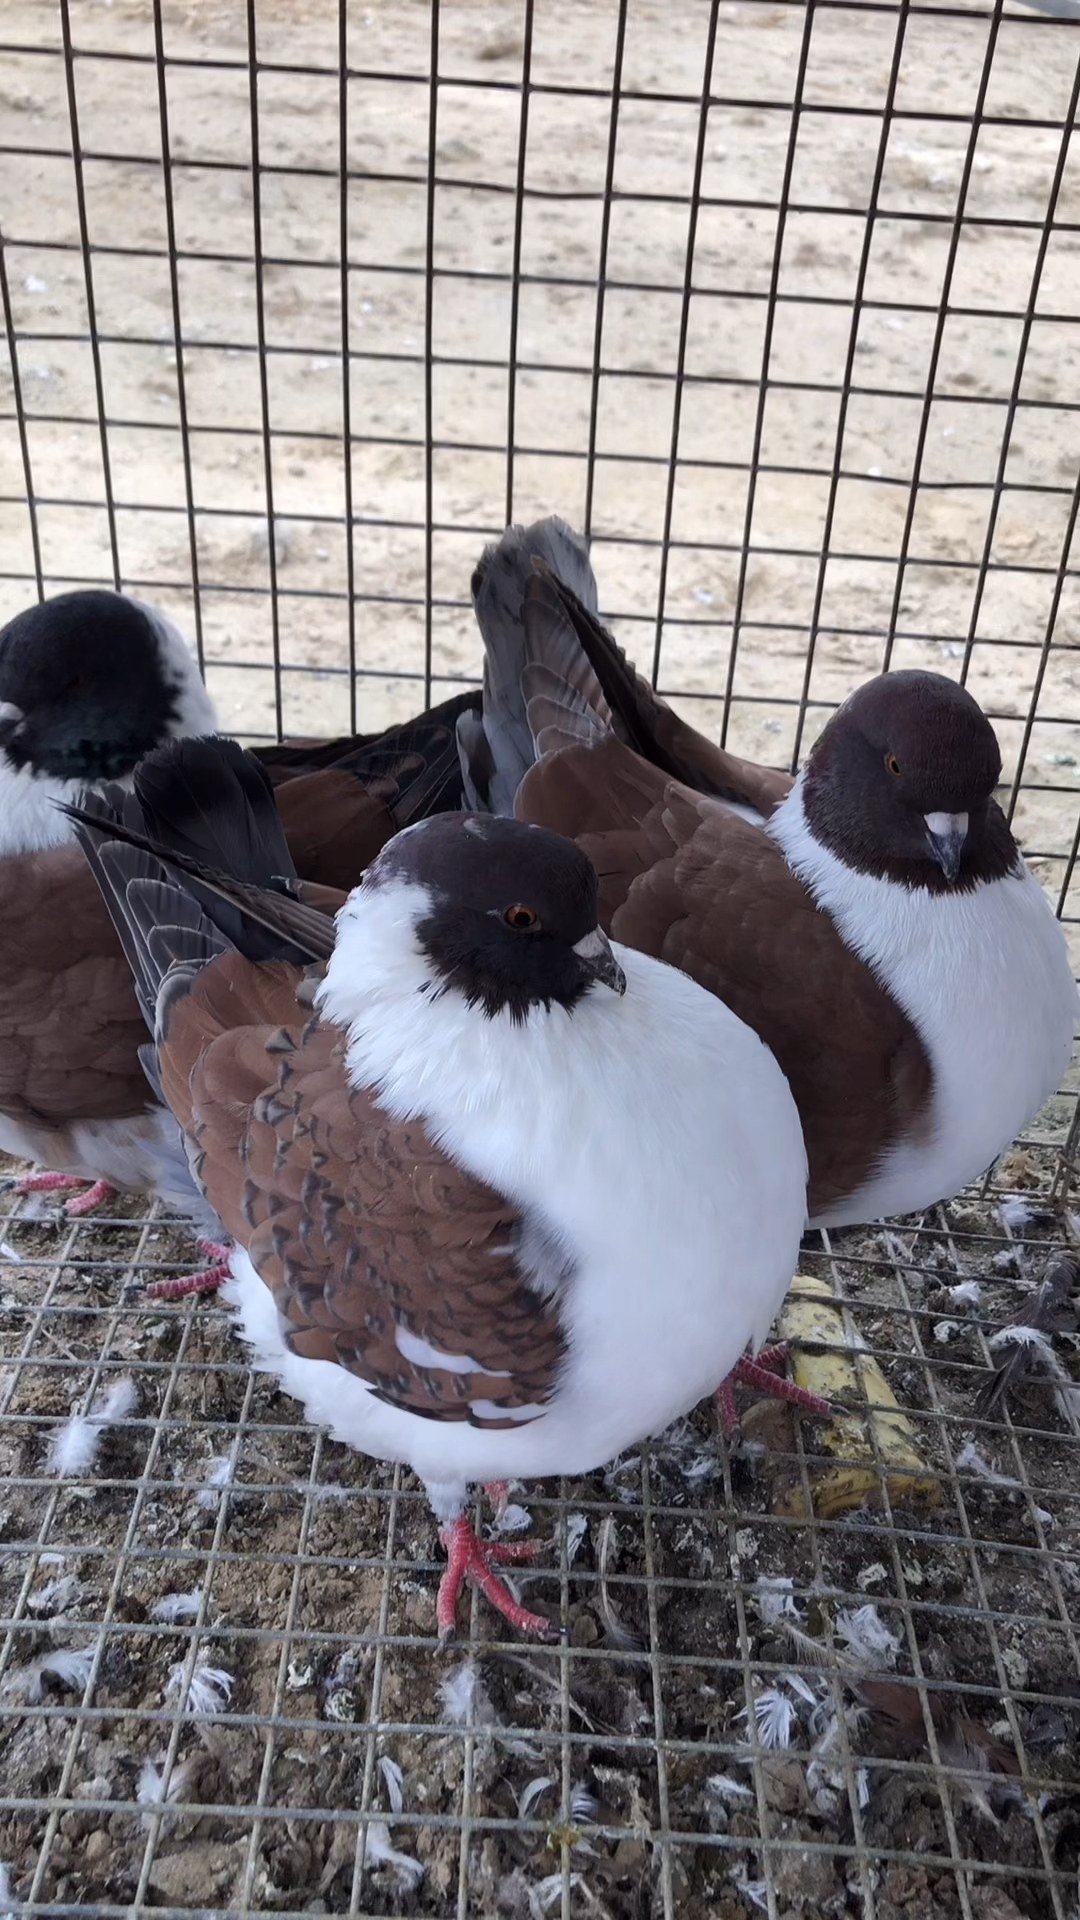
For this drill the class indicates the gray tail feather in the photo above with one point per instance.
(525, 658)
(159, 924)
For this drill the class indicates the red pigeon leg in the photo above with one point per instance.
(206, 1281)
(95, 1190)
(761, 1374)
(468, 1558)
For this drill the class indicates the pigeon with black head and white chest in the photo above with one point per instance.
(505, 1198)
(872, 918)
(89, 682)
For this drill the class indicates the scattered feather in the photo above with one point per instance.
(862, 1786)
(465, 1698)
(1067, 1402)
(619, 1634)
(177, 1606)
(1015, 1213)
(577, 1527)
(531, 1792)
(54, 1596)
(378, 1852)
(1018, 1335)
(8, 1252)
(774, 1717)
(866, 1634)
(70, 1666)
(152, 1790)
(207, 1691)
(774, 1598)
(967, 1293)
(218, 1475)
(970, 1460)
(802, 1687)
(543, 1895)
(723, 1787)
(75, 1445)
(755, 1890)
(583, 1804)
(513, 1520)
(394, 1779)
(5, 1893)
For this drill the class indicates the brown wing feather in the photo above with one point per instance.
(356, 1222)
(687, 881)
(334, 826)
(70, 1026)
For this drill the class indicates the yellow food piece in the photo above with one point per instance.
(875, 1442)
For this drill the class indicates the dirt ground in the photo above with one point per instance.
(311, 1575)
(315, 1570)
(473, 245)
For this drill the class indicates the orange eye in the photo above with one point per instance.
(522, 919)
(892, 763)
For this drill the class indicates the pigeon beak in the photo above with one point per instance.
(596, 957)
(947, 833)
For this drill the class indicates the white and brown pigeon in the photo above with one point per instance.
(505, 1199)
(89, 682)
(873, 920)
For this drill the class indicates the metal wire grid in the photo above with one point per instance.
(580, 430)
(318, 1599)
(656, 452)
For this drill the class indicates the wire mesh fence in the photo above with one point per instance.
(780, 304)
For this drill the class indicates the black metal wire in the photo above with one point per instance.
(684, 329)
(429, 349)
(178, 330)
(88, 285)
(515, 270)
(798, 106)
(346, 349)
(261, 348)
(21, 418)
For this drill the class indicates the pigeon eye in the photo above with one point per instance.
(522, 919)
(892, 763)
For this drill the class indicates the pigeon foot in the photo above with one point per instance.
(763, 1374)
(468, 1558)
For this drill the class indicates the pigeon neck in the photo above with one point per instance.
(30, 819)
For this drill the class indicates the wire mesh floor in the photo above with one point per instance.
(222, 1690)
(779, 302)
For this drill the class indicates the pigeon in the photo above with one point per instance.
(505, 1198)
(89, 682)
(872, 919)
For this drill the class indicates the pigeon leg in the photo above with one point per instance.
(468, 1558)
(206, 1281)
(761, 1373)
(95, 1190)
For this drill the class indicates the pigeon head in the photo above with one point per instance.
(901, 781)
(505, 914)
(89, 682)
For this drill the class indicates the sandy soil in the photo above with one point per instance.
(297, 1602)
(474, 235)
